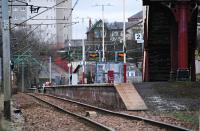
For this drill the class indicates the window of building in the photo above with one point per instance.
(97, 34)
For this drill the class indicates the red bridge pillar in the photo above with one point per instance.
(183, 18)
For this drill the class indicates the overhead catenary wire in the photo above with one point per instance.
(75, 4)
(20, 1)
(48, 19)
(51, 24)
(30, 32)
(40, 13)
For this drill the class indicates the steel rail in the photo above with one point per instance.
(128, 116)
(99, 125)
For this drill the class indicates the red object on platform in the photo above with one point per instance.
(110, 76)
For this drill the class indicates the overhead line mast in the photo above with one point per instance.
(103, 35)
(6, 59)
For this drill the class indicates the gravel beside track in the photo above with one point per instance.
(39, 117)
(118, 123)
(164, 100)
(165, 117)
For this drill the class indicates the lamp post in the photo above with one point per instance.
(124, 41)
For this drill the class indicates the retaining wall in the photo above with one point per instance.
(101, 96)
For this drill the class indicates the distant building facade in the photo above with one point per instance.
(114, 38)
(114, 31)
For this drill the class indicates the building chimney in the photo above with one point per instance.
(90, 23)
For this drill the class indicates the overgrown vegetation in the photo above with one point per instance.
(29, 49)
(192, 117)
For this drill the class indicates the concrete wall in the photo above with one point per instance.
(105, 97)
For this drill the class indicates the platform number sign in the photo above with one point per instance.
(138, 36)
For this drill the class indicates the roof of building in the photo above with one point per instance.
(138, 15)
(115, 25)
(119, 25)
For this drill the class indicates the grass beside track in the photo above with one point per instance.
(191, 118)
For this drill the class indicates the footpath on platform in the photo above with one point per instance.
(130, 97)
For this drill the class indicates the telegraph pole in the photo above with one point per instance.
(103, 35)
(6, 59)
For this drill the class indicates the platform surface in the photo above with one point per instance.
(130, 97)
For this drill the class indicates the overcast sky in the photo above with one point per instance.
(87, 9)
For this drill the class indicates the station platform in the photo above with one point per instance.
(130, 96)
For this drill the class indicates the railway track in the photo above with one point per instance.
(105, 119)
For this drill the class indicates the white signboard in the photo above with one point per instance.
(74, 79)
(140, 41)
(131, 73)
(138, 36)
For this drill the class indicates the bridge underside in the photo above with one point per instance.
(170, 40)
